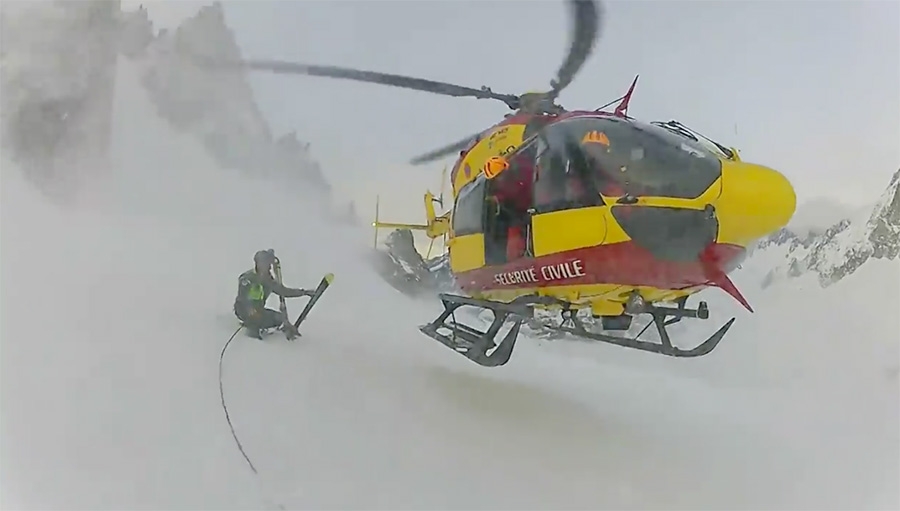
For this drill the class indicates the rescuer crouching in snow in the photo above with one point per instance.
(254, 288)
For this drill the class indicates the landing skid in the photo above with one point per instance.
(475, 344)
(662, 318)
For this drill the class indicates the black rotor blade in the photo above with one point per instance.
(444, 151)
(586, 20)
(406, 82)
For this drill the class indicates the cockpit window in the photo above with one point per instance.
(623, 156)
(468, 212)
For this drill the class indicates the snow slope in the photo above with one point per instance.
(114, 317)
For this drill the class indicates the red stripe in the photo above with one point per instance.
(622, 263)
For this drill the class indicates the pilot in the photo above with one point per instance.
(550, 187)
(600, 161)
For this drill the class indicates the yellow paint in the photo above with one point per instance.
(501, 141)
(755, 202)
(751, 202)
(595, 137)
(606, 308)
(560, 231)
(614, 233)
(466, 252)
(436, 227)
(570, 229)
(707, 197)
(602, 299)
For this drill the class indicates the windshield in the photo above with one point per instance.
(621, 156)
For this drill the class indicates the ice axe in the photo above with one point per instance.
(319, 291)
(282, 305)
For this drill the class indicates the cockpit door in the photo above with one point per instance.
(563, 217)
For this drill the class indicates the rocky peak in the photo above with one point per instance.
(885, 223)
(786, 236)
(217, 107)
(846, 245)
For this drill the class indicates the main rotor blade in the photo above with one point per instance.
(406, 82)
(444, 151)
(586, 20)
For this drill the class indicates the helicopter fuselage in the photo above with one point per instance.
(594, 206)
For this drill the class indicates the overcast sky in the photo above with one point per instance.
(811, 88)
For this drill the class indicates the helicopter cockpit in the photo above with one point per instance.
(585, 158)
(584, 162)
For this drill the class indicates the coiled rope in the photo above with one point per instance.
(225, 407)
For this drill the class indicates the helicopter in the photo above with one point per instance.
(586, 209)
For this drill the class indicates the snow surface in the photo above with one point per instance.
(114, 317)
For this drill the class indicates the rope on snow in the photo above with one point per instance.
(265, 498)
(225, 408)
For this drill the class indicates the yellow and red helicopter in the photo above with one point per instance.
(588, 209)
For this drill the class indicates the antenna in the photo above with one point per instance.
(622, 109)
(376, 222)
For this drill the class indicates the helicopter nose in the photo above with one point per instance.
(755, 201)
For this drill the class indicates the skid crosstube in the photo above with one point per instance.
(474, 344)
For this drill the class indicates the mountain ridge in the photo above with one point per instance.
(844, 246)
(218, 107)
